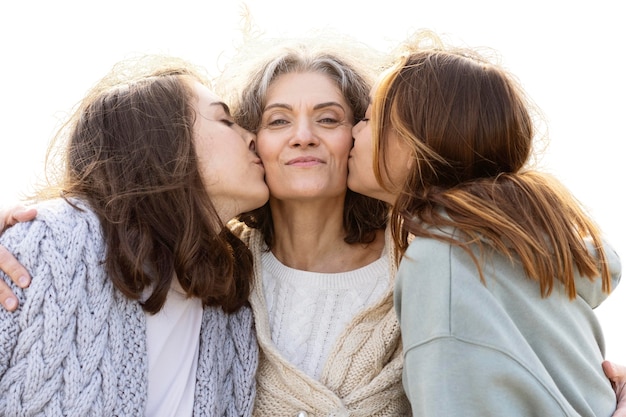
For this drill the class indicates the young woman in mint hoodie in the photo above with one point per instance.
(500, 267)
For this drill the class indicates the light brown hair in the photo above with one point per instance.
(470, 130)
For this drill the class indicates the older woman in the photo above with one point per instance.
(324, 270)
(322, 299)
(324, 265)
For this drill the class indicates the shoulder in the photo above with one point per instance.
(63, 252)
(427, 253)
(63, 235)
(438, 282)
(56, 219)
(67, 227)
(61, 213)
(592, 290)
(424, 285)
(613, 262)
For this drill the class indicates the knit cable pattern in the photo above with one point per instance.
(61, 352)
(227, 364)
(362, 378)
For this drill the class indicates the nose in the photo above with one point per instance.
(248, 137)
(304, 135)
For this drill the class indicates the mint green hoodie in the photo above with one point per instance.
(498, 348)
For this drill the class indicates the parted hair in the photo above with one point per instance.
(128, 151)
(470, 129)
(350, 71)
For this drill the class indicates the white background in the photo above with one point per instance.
(569, 57)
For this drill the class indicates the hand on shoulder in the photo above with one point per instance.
(8, 264)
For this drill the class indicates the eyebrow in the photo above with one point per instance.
(223, 105)
(316, 107)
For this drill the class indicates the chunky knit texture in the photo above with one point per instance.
(77, 347)
(308, 311)
(363, 376)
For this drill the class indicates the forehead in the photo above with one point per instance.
(304, 85)
(204, 93)
(208, 101)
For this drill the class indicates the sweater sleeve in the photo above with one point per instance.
(447, 373)
(591, 290)
(452, 377)
(9, 326)
(53, 346)
(22, 240)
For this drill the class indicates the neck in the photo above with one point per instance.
(309, 236)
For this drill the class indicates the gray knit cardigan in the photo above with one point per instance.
(77, 347)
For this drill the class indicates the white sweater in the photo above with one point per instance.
(362, 376)
(308, 311)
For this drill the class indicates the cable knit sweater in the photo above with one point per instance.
(77, 346)
(363, 376)
(308, 311)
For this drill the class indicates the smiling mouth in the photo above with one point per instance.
(308, 161)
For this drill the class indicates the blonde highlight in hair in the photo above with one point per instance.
(471, 129)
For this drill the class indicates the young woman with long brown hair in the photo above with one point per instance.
(139, 299)
(496, 287)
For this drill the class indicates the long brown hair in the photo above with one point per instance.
(363, 216)
(130, 155)
(470, 130)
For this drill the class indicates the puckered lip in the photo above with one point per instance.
(303, 160)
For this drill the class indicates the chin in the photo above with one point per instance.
(354, 186)
(258, 203)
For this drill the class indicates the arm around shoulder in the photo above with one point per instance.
(8, 264)
(55, 248)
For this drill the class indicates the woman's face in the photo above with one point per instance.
(361, 163)
(231, 170)
(305, 137)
